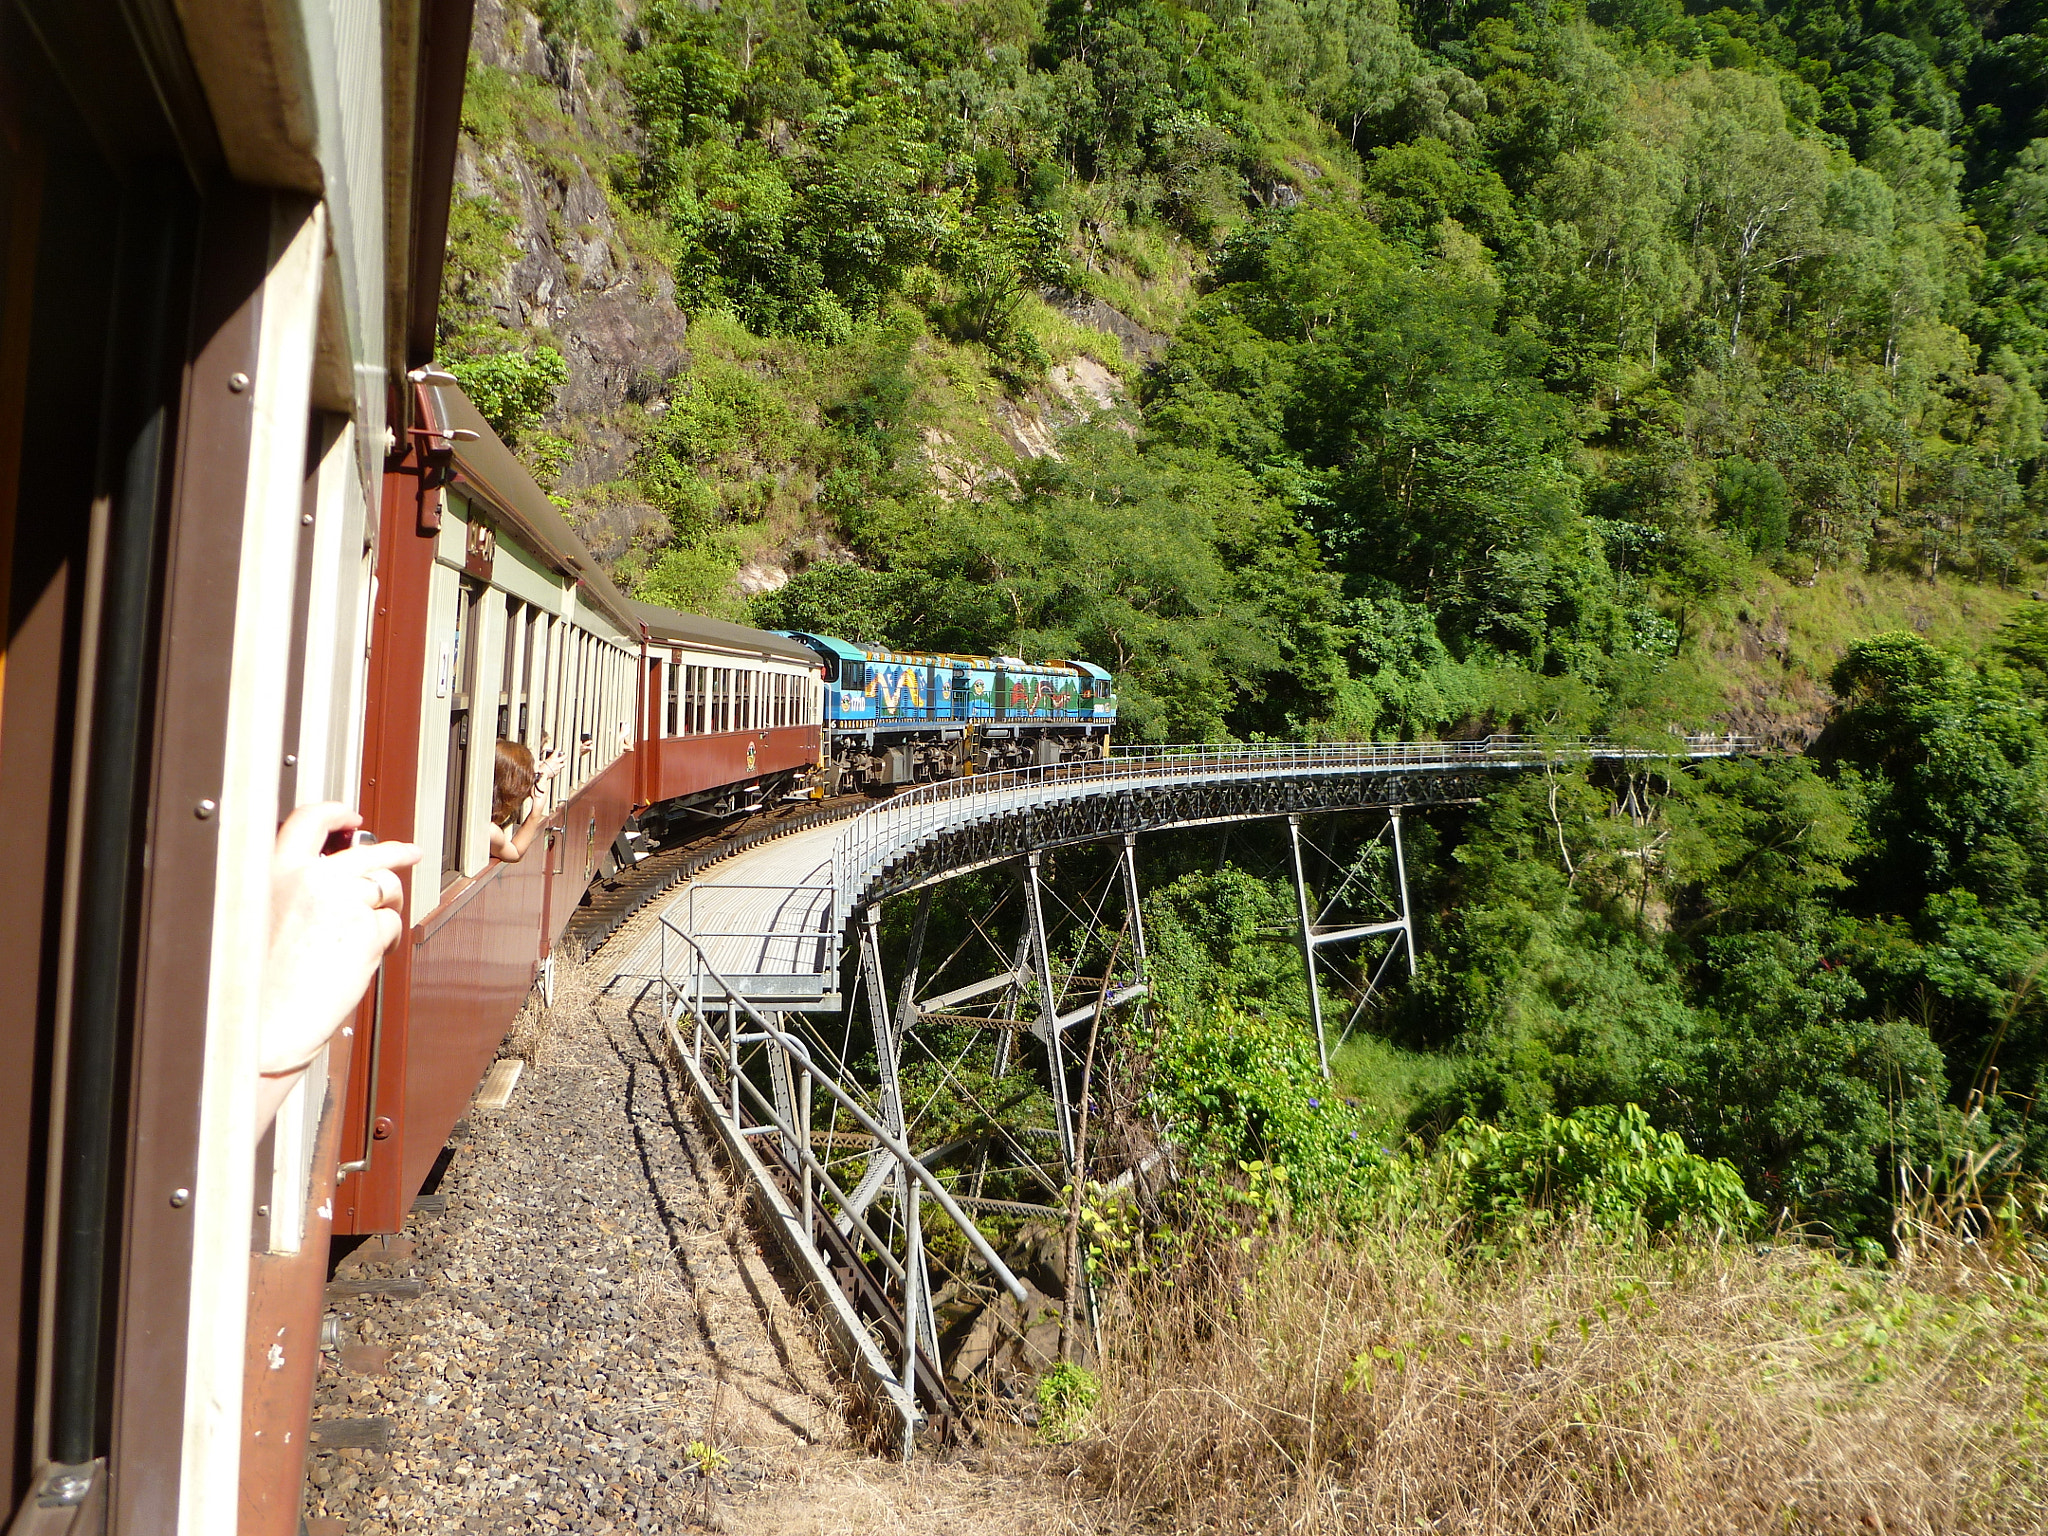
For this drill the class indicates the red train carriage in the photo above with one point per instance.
(221, 236)
(729, 720)
(494, 623)
(252, 556)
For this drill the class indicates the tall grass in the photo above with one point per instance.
(1386, 1082)
(1582, 1383)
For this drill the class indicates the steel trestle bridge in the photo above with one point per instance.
(754, 945)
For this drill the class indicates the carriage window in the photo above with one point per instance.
(579, 708)
(586, 697)
(674, 701)
(529, 637)
(461, 690)
(508, 665)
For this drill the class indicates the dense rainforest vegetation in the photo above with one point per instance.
(1509, 352)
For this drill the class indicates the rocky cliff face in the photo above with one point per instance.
(577, 274)
(546, 252)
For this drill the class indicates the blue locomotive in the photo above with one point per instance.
(894, 718)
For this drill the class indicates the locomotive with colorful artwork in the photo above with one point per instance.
(894, 718)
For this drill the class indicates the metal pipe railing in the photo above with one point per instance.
(770, 1034)
(909, 818)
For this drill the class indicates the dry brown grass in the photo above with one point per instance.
(839, 1493)
(1580, 1386)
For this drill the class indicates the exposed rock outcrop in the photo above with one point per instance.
(1140, 345)
(577, 279)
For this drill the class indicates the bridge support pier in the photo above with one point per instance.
(1401, 880)
(1308, 944)
(1048, 1026)
(1142, 974)
(1314, 936)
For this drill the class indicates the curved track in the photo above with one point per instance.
(610, 902)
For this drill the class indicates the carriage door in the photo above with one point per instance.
(963, 694)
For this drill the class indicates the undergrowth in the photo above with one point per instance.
(1586, 1381)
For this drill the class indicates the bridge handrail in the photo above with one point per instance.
(905, 816)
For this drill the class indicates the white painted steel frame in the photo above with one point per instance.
(871, 840)
(891, 1153)
(248, 808)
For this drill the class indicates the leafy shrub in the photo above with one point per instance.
(838, 598)
(1067, 1394)
(1240, 1089)
(512, 390)
(1609, 1163)
(693, 579)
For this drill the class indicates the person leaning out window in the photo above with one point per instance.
(516, 781)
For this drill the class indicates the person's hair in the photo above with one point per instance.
(511, 782)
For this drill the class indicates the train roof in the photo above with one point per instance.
(494, 473)
(488, 469)
(695, 629)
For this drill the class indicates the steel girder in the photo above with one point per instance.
(1115, 811)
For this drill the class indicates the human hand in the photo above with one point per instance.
(551, 763)
(332, 916)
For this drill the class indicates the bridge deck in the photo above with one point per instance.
(771, 919)
(765, 912)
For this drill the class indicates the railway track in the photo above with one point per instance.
(610, 902)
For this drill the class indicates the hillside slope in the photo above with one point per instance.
(546, 254)
(1329, 368)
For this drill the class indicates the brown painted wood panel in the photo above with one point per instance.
(470, 973)
(685, 765)
(468, 966)
(584, 829)
(287, 1296)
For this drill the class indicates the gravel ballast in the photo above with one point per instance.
(596, 1344)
